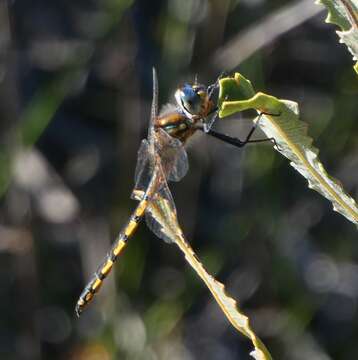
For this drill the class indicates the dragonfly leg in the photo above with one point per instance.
(272, 139)
(102, 272)
(207, 125)
(215, 110)
(213, 87)
(237, 142)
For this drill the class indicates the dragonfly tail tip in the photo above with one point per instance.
(78, 310)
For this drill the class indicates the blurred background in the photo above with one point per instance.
(75, 93)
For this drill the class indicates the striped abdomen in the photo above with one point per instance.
(94, 285)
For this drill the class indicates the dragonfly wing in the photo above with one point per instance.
(161, 214)
(143, 170)
(164, 158)
(162, 217)
(145, 158)
(174, 158)
(168, 109)
(154, 111)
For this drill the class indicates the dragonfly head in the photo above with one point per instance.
(193, 100)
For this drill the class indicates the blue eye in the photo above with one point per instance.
(189, 100)
(188, 93)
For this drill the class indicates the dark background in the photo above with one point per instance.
(75, 91)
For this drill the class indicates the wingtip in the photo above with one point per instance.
(155, 95)
(154, 72)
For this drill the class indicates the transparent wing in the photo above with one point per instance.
(156, 222)
(174, 159)
(164, 158)
(167, 109)
(145, 163)
(173, 156)
(161, 214)
(154, 111)
(144, 168)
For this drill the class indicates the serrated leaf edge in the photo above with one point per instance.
(315, 174)
(353, 20)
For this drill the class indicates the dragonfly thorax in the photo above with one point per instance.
(176, 124)
(193, 100)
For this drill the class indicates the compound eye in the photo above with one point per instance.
(190, 100)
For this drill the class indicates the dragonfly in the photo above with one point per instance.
(162, 158)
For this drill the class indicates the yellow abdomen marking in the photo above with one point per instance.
(96, 285)
(107, 267)
(104, 270)
(130, 228)
(117, 250)
(141, 208)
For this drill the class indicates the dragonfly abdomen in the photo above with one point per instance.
(102, 272)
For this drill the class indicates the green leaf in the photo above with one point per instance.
(290, 134)
(344, 13)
